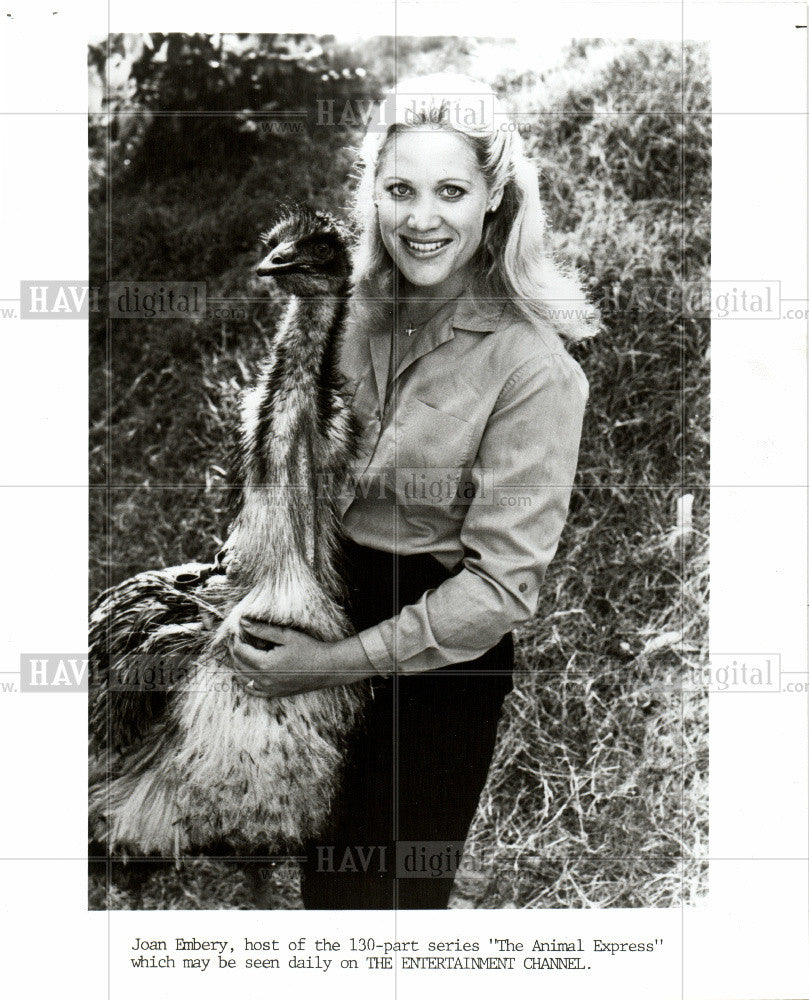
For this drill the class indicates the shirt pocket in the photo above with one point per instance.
(429, 438)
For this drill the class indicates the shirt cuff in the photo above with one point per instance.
(377, 651)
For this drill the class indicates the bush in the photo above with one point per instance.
(185, 99)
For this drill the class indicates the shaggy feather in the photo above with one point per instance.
(193, 760)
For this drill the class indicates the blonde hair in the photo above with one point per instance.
(513, 261)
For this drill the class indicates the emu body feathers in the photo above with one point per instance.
(181, 757)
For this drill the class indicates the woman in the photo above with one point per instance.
(471, 412)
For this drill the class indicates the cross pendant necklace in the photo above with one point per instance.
(411, 328)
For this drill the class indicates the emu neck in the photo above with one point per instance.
(306, 338)
(286, 517)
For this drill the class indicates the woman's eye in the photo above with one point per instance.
(453, 192)
(398, 190)
(322, 251)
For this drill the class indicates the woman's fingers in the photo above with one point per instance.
(248, 672)
(266, 658)
(269, 634)
(247, 654)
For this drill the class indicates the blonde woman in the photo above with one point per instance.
(471, 412)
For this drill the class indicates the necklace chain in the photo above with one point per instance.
(411, 328)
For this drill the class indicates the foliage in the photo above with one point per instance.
(182, 99)
(622, 137)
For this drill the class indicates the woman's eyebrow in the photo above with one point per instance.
(442, 180)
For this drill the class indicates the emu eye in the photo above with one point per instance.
(322, 251)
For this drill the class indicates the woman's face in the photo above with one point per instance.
(432, 198)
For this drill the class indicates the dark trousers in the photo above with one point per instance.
(415, 767)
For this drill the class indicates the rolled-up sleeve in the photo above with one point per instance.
(523, 476)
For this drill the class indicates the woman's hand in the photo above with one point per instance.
(296, 663)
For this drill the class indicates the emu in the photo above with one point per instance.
(187, 760)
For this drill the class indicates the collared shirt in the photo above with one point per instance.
(470, 456)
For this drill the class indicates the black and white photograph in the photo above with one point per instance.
(406, 492)
(420, 638)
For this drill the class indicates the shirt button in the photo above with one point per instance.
(523, 587)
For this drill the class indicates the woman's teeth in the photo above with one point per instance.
(425, 248)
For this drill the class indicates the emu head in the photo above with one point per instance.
(307, 253)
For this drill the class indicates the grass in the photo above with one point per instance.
(597, 791)
(597, 794)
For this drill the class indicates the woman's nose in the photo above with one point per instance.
(422, 216)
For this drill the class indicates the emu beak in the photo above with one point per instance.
(278, 261)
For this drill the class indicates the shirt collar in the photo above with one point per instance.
(477, 314)
(469, 313)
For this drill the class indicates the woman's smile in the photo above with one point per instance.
(422, 248)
